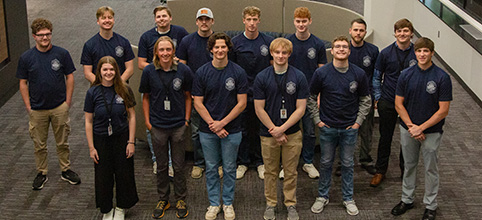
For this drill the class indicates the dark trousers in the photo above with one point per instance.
(196, 144)
(250, 147)
(114, 166)
(388, 121)
(160, 143)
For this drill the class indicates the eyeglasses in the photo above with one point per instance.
(338, 46)
(44, 35)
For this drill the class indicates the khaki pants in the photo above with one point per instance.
(290, 155)
(39, 128)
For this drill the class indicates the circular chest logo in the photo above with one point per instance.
(290, 88)
(55, 64)
(118, 99)
(367, 61)
(175, 42)
(264, 50)
(353, 86)
(412, 62)
(176, 84)
(119, 51)
(230, 84)
(431, 87)
(311, 53)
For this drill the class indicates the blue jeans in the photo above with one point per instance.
(217, 150)
(309, 138)
(196, 144)
(330, 138)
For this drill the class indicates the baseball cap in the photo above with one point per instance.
(204, 12)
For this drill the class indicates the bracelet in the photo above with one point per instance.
(133, 142)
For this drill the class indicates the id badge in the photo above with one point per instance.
(283, 113)
(109, 130)
(167, 105)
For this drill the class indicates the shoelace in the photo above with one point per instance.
(181, 204)
(161, 204)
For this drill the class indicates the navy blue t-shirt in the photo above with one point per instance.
(94, 103)
(365, 58)
(193, 49)
(339, 93)
(98, 47)
(252, 55)
(271, 87)
(422, 91)
(45, 73)
(149, 38)
(172, 84)
(390, 65)
(307, 54)
(220, 89)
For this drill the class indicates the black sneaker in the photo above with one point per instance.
(181, 209)
(161, 207)
(39, 181)
(71, 177)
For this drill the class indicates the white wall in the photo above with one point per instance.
(459, 55)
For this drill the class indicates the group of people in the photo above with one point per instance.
(243, 99)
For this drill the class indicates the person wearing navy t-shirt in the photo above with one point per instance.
(193, 51)
(309, 53)
(110, 128)
(107, 43)
(166, 100)
(251, 52)
(390, 62)
(280, 94)
(219, 92)
(364, 55)
(344, 97)
(46, 85)
(422, 100)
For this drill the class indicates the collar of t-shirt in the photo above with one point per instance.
(173, 67)
(165, 32)
(342, 69)
(408, 48)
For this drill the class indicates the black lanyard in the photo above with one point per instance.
(168, 85)
(401, 63)
(109, 110)
(280, 85)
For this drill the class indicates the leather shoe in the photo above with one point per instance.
(401, 208)
(429, 214)
(377, 179)
(370, 169)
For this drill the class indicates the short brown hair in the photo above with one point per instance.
(403, 23)
(251, 11)
(424, 42)
(39, 24)
(102, 10)
(160, 8)
(340, 38)
(155, 58)
(219, 36)
(281, 42)
(302, 12)
(359, 21)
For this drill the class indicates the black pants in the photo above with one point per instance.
(114, 166)
(388, 121)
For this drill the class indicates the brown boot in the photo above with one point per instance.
(377, 179)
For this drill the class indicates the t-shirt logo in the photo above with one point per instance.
(264, 50)
(431, 87)
(55, 64)
(353, 86)
(367, 60)
(119, 51)
(176, 84)
(230, 84)
(118, 99)
(312, 53)
(290, 88)
(175, 42)
(412, 62)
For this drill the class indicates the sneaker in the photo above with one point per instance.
(292, 213)
(212, 212)
(228, 212)
(71, 177)
(241, 171)
(282, 174)
(269, 213)
(181, 209)
(161, 207)
(351, 208)
(171, 172)
(109, 215)
(319, 204)
(311, 170)
(154, 167)
(39, 181)
(220, 172)
(197, 172)
(119, 213)
(261, 171)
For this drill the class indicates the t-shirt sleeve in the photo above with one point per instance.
(129, 54)
(445, 89)
(144, 86)
(89, 101)
(314, 84)
(68, 64)
(303, 87)
(22, 68)
(188, 78)
(131, 97)
(142, 50)
(198, 84)
(258, 91)
(380, 64)
(401, 83)
(364, 85)
(181, 52)
(86, 57)
(322, 54)
(243, 83)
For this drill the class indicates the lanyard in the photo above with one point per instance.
(280, 84)
(109, 110)
(169, 83)
(401, 63)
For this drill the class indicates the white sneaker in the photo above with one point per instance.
(282, 174)
(109, 215)
(154, 167)
(228, 212)
(241, 171)
(261, 171)
(197, 172)
(220, 171)
(119, 213)
(311, 170)
(351, 208)
(319, 204)
(212, 212)
(171, 172)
